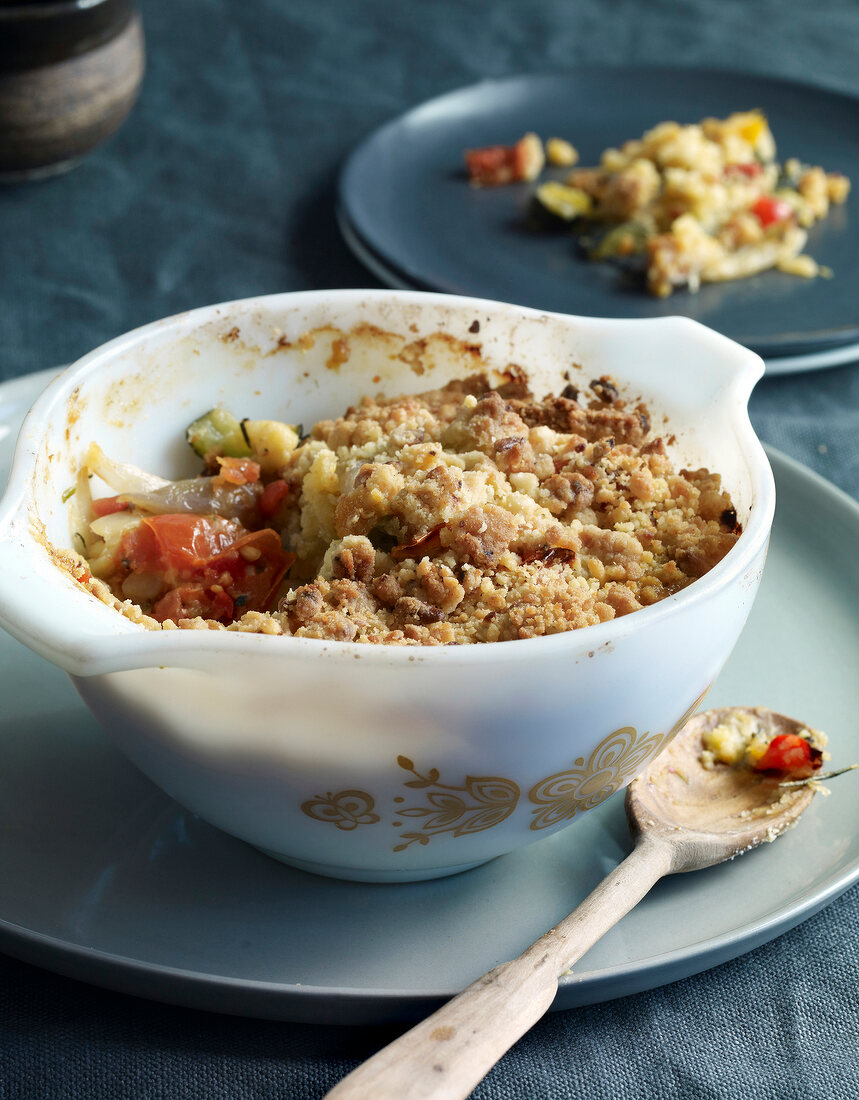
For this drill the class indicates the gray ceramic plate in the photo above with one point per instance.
(405, 195)
(104, 878)
(780, 364)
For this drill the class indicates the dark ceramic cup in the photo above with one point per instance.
(70, 71)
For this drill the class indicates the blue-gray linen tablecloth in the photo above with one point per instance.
(221, 185)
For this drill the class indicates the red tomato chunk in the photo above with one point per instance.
(493, 165)
(750, 170)
(271, 498)
(789, 753)
(238, 471)
(106, 506)
(770, 211)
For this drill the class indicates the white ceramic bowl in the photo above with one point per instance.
(379, 762)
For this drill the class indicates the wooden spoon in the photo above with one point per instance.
(683, 817)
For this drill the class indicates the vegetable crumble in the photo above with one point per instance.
(692, 204)
(464, 514)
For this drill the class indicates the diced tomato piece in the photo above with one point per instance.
(255, 583)
(273, 495)
(750, 170)
(790, 754)
(493, 164)
(770, 211)
(106, 506)
(178, 542)
(237, 471)
(497, 164)
(191, 600)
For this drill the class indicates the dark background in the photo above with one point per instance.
(221, 185)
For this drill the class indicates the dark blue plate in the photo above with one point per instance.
(405, 194)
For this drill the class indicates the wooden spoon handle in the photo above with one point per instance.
(446, 1055)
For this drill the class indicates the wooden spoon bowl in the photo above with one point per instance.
(713, 814)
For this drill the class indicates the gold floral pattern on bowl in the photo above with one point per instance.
(481, 802)
(616, 759)
(346, 810)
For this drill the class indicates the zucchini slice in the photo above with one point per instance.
(218, 432)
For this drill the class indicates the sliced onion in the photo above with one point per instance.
(110, 529)
(121, 476)
(80, 513)
(198, 495)
(142, 587)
